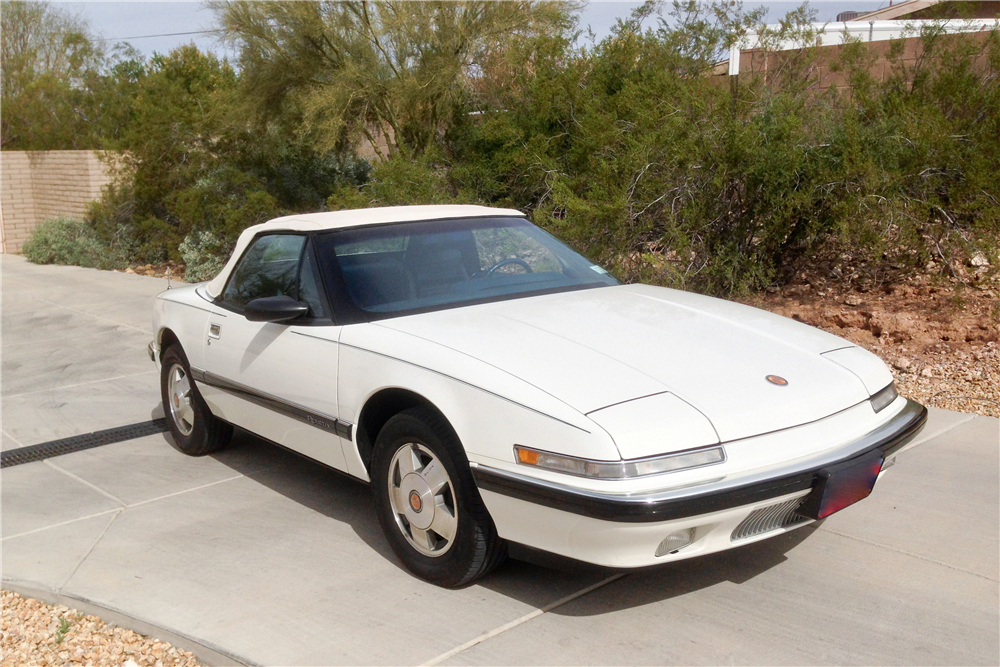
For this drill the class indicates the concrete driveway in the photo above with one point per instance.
(255, 555)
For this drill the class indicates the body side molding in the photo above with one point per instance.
(319, 420)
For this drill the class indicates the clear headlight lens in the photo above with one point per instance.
(692, 458)
(884, 397)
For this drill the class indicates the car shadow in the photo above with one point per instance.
(530, 576)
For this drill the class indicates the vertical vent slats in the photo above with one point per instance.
(765, 519)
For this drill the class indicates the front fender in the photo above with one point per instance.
(490, 410)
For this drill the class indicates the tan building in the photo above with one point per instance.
(763, 54)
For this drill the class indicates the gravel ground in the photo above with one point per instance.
(963, 382)
(35, 633)
(940, 338)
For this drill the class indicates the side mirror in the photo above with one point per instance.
(274, 309)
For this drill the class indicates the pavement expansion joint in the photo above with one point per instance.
(121, 509)
(79, 384)
(93, 546)
(519, 621)
(96, 317)
(904, 552)
(49, 463)
(926, 436)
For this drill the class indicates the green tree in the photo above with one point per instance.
(390, 72)
(46, 61)
(191, 162)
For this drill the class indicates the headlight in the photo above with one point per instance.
(692, 458)
(884, 397)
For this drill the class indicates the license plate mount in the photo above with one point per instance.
(841, 485)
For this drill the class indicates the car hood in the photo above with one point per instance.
(600, 347)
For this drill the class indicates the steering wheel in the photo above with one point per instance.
(505, 262)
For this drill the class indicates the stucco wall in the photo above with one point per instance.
(37, 185)
(820, 60)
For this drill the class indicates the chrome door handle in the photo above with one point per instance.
(215, 331)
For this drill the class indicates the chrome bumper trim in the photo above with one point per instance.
(713, 496)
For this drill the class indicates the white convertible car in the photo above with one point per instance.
(493, 385)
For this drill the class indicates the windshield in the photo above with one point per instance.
(442, 263)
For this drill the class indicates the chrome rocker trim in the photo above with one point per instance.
(712, 496)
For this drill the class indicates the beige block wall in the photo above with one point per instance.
(37, 185)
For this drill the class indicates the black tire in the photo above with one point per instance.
(200, 432)
(475, 548)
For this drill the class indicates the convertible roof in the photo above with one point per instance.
(309, 222)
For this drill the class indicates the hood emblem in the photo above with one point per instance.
(777, 379)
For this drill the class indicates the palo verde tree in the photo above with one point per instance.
(389, 72)
(47, 60)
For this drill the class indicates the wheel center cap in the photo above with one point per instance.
(418, 499)
(415, 503)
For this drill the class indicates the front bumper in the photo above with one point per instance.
(713, 497)
(623, 530)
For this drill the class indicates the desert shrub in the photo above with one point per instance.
(204, 255)
(66, 241)
(634, 153)
(400, 181)
(630, 148)
(190, 159)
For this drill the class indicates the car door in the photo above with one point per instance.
(276, 379)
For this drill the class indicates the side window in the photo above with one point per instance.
(269, 268)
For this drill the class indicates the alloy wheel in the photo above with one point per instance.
(423, 499)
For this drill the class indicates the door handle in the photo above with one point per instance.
(215, 331)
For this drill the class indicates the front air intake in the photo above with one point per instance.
(765, 519)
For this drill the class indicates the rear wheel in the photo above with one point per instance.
(428, 504)
(195, 430)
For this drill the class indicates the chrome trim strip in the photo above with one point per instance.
(708, 496)
(321, 421)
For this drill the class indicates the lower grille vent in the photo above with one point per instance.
(766, 519)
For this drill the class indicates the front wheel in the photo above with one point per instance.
(428, 504)
(195, 430)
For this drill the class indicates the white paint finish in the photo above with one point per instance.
(504, 335)
(803, 443)
(648, 426)
(641, 340)
(404, 350)
(802, 447)
(488, 424)
(869, 368)
(276, 360)
(185, 313)
(613, 544)
(310, 222)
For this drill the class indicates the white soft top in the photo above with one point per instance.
(309, 222)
